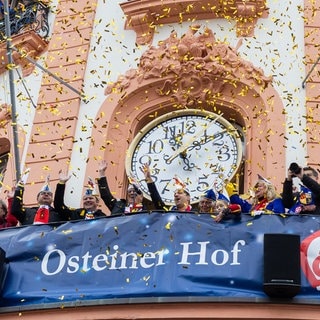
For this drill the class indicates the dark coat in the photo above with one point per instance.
(70, 213)
(289, 198)
(116, 206)
(26, 215)
(157, 200)
(155, 197)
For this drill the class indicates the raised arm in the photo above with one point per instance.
(11, 219)
(105, 193)
(154, 193)
(58, 201)
(17, 208)
(287, 191)
(312, 184)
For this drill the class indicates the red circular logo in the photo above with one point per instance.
(310, 259)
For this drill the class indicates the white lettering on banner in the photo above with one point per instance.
(44, 263)
(73, 264)
(56, 261)
(219, 257)
(99, 262)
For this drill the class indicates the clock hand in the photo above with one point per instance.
(182, 150)
(197, 144)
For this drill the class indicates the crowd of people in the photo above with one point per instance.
(262, 199)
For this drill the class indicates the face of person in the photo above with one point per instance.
(90, 203)
(131, 195)
(310, 174)
(206, 205)
(260, 190)
(181, 199)
(220, 206)
(45, 198)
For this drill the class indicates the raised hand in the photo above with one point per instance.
(103, 165)
(63, 177)
(10, 193)
(147, 173)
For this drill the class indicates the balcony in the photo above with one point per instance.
(29, 30)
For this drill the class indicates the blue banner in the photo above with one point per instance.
(150, 255)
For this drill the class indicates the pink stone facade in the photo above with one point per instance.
(221, 80)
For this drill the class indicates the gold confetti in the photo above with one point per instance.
(67, 231)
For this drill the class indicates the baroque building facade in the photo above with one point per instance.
(128, 63)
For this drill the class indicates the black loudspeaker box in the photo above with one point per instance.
(282, 268)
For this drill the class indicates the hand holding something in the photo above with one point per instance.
(290, 175)
(225, 212)
(295, 171)
(103, 165)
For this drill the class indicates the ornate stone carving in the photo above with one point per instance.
(5, 114)
(144, 15)
(29, 44)
(193, 68)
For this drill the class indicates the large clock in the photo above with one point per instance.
(200, 148)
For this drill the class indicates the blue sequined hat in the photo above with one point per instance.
(45, 187)
(221, 196)
(210, 194)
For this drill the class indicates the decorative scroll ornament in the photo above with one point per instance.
(144, 16)
(5, 114)
(193, 67)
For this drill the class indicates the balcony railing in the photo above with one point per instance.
(32, 16)
(155, 257)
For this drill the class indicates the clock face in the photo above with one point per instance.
(201, 149)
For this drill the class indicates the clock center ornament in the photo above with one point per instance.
(199, 148)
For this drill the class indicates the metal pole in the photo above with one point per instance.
(12, 91)
(307, 76)
(82, 96)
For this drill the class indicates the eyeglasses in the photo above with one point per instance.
(45, 193)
